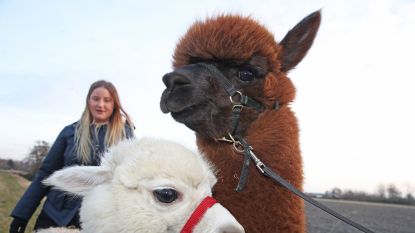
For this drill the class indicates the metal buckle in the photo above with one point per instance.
(240, 106)
(240, 97)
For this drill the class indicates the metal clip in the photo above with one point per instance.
(258, 163)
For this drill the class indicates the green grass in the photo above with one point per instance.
(11, 189)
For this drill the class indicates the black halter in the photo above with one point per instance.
(242, 146)
(237, 98)
(230, 88)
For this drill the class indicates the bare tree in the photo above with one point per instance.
(336, 192)
(10, 164)
(381, 191)
(35, 157)
(393, 192)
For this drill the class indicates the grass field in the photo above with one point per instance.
(11, 189)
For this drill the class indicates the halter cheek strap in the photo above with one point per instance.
(198, 214)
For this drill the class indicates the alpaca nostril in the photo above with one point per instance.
(175, 79)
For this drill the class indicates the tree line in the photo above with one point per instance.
(384, 194)
(28, 166)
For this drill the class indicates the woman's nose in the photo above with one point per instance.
(101, 103)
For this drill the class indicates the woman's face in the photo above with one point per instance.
(101, 105)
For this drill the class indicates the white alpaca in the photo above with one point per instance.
(144, 185)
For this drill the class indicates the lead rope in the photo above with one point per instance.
(241, 146)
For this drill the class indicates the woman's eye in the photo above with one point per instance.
(245, 75)
(166, 195)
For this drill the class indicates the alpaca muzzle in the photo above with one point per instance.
(178, 88)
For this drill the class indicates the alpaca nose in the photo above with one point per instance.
(217, 219)
(174, 78)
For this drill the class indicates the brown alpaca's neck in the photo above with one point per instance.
(266, 208)
(274, 138)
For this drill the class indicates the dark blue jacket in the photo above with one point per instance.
(59, 206)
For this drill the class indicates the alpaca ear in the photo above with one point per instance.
(298, 41)
(78, 179)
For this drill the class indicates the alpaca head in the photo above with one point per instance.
(246, 53)
(144, 186)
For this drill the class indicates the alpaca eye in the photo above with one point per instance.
(166, 195)
(245, 75)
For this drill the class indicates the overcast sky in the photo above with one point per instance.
(355, 88)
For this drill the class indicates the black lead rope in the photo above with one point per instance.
(242, 146)
(243, 178)
(279, 180)
(248, 154)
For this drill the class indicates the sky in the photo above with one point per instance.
(355, 88)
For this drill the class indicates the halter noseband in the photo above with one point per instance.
(198, 214)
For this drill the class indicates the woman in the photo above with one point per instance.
(103, 123)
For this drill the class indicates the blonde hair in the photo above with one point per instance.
(115, 131)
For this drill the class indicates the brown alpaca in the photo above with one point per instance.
(246, 53)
